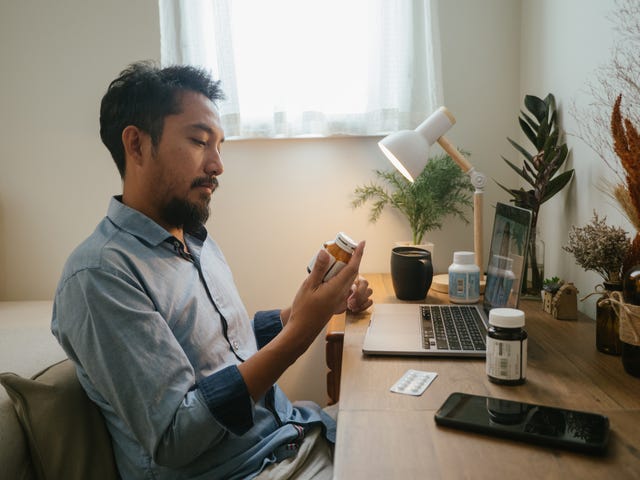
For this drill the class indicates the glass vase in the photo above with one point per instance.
(534, 266)
(608, 322)
(630, 322)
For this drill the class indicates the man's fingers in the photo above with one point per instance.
(320, 267)
(351, 269)
(357, 254)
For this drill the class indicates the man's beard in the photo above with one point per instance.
(189, 215)
(181, 213)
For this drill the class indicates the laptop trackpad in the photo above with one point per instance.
(394, 327)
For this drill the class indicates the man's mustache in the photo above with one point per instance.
(211, 182)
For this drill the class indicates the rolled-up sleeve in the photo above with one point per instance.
(266, 325)
(228, 399)
(225, 392)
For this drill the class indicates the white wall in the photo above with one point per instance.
(563, 43)
(279, 200)
(55, 176)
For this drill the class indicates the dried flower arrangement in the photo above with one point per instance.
(619, 75)
(599, 248)
(626, 143)
(612, 135)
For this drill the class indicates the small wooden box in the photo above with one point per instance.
(562, 304)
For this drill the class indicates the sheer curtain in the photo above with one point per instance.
(294, 68)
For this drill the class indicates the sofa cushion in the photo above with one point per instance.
(15, 461)
(65, 430)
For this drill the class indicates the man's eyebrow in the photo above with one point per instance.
(205, 128)
(202, 126)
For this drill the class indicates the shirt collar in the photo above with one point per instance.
(141, 226)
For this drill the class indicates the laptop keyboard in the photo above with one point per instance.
(452, 327)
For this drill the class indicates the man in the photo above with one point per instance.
(147, 309)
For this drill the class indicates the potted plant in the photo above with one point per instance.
(552, 285)
(441, 189)
(538, 170)
(602, 249)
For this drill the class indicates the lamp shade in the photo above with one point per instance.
(407, 150)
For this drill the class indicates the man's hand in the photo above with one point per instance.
(360, 298)
(317, 301)
(313, 306)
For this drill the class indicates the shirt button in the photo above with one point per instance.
(236, 345)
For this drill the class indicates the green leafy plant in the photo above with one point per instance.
(538, 170)
(441, 189)
(552, 284)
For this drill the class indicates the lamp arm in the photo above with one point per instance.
(455, 155)
(478, 180)
(477, 216)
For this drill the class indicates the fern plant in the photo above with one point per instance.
(441, 189)
(538, 170)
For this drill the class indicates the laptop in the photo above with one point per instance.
(456, 329)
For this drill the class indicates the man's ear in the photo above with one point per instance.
(134, 141)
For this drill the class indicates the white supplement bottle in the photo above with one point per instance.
(464, 278)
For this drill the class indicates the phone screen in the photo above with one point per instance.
(557, 427)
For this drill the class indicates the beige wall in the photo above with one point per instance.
(563, 43)
(278, 199)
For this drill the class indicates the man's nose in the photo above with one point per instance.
(214, 165)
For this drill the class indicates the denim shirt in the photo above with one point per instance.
(157, 335)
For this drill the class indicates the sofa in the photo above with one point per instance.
(49, 429)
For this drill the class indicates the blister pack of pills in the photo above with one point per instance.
(414, 382)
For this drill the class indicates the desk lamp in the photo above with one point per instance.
(408, 151)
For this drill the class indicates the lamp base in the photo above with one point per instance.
(440, 283)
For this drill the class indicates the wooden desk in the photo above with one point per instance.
(383, 435)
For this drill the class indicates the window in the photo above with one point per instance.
(294, 68)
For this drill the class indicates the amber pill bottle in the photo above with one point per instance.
(340, 249)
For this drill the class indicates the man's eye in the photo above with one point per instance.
(199, 142)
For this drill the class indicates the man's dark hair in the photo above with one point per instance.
(143, 95)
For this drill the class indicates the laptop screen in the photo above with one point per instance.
(507, 255)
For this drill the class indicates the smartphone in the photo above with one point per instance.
(550, 426)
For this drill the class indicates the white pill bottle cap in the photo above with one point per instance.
(506, 317)
(464, 258)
